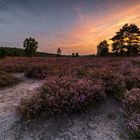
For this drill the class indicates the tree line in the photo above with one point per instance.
(30, 46)
(126, 42)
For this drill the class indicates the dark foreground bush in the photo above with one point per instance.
(115, 84)
(58, 95)
(37, 72)
(132, 78)
(7, 79)
(131, 105)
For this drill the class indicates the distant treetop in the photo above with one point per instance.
(125, 30)
(59, 52)
(126, 42)
(102, 48)
(30, 45)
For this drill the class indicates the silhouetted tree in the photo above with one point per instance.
(59, 52)
(127, 40)
(77, 54)
(73, 54)
(3, 52)
(103, 48)
(30, 45)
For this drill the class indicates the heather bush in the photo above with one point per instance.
(114, 82)
(131, 106)
(7, 79)
(61, 94)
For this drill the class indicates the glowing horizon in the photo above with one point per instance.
(73, 26)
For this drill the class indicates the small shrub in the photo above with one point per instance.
(61, 94)
(7, 79)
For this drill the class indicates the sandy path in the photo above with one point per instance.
(9, 99)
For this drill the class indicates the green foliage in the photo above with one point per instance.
(3, 52)
(102, 48)
(30, 45)
(8, 51)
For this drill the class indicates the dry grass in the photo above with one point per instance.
(7, 79)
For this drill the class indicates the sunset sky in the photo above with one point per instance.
(72, 25)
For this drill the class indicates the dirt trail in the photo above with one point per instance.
(9, 99)
(102, 122)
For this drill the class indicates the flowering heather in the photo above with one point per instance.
(61, 94)
(131, 105)
(72, 83)
(113, 81)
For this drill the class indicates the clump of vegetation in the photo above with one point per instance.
(7, 79)
(37, 72)
(131, 105)
(61, 94)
